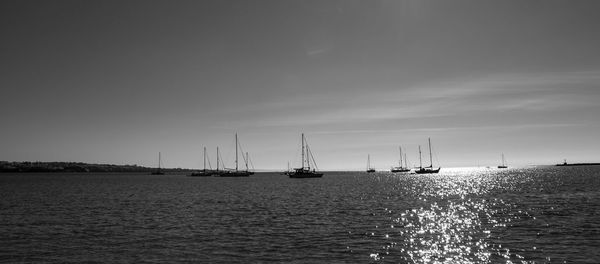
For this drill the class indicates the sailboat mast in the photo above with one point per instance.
(430, 158)
(236, 152)
(420, 162)
(307, 157)
(302, 150)
(400, 148)
(247, 160)
(217, 158)
(204, 157)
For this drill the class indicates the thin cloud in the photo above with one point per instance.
(529, 92)
(478, 97)
(442, 129)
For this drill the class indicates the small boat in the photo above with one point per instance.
(503, 166)
(158, 171)
(305, 171)
(288, 171)
(235, 172)
(401, 168)
(369, 169)
(564, 163)
(204, 172)
(217, 172)
(429, 169)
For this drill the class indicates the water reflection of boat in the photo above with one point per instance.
(503, 166)
(158, 171)
(369, 169)
(429, 169)
(305, 171)
(401, 168)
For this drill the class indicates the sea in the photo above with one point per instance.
(461, 215)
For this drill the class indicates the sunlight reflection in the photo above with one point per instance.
(456, 224)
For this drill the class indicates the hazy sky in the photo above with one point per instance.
(119, 81)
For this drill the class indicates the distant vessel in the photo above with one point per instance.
(401, 168)
(369, 169)
(288, 171)
(236, 172)
(305, 171)
(503, 166)
(428, 169)
(217, 172)
(158, 171)
(204, 172)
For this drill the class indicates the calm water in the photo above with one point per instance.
(541, 215)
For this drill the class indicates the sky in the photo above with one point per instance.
(119, 81)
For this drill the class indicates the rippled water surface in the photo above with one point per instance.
(537, 215)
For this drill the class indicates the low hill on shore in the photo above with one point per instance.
(37, 166)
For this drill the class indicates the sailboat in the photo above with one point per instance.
(218, 172)
(158, 171)
(288, 171)
(369, 169)
(305, 171)
(428, 169)
(237, 172)
(401, 168)
(246, 161)
(503, 166)
(204, 172)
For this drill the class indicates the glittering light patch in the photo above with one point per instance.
(456, 224)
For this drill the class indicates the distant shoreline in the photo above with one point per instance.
(37, 166)
(577, 164)
(57, 167)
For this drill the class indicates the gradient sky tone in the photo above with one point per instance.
(119, 81)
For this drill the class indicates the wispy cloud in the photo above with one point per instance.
(474, 101)
(519, 92)
(455, 128)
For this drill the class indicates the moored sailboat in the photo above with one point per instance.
(217, 172)
(204, 172)
(236, 172)
(288, 171)
(158, 171)
(305, 171)
(503, 166)
(429, 169)
(401, 168)
(369, 169)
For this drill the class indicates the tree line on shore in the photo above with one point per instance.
(38, 166)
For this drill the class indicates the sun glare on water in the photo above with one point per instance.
(456, 223)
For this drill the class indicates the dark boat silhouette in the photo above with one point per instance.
(369, 169)
(503, 166)
(234, 172)
(429, 169)
(288, 171)
(305, 171)
(158, 171)
(401, 168)
(204, 172)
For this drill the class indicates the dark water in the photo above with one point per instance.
(541, 215)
